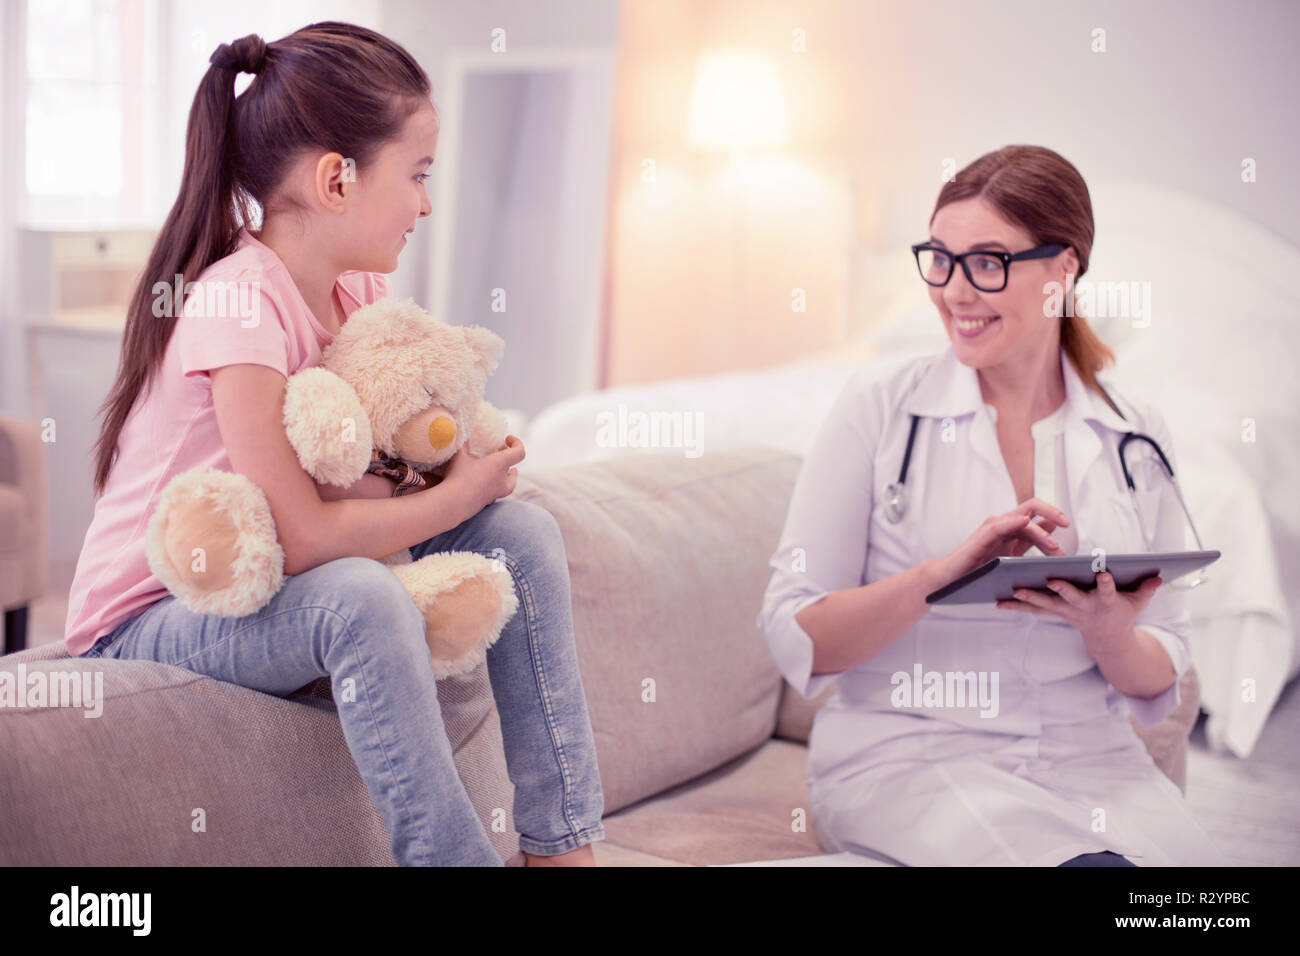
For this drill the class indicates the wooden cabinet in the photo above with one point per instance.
(81, 278)
(75, 285)
(70, 371)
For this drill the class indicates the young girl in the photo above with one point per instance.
(331, 139)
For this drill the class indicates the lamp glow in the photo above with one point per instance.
(736, 103)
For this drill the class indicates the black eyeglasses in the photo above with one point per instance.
(986, 269)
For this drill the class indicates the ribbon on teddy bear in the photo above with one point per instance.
(407, 478)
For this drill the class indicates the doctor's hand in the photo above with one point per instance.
(1104, 615)
(1010, 534)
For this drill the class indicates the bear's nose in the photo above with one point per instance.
(442, 432)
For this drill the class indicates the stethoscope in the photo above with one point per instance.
(895, 499)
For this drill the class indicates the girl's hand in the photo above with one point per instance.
(1010, 534)
(1103, 615)
(481, 481)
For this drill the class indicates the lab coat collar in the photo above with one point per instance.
(1088, 402)
(946, 389)
(949, 389)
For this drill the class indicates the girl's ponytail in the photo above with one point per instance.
(245, 55)
(329, 86)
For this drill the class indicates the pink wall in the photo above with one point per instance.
(701, 278)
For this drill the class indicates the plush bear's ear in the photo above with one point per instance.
(487, 345)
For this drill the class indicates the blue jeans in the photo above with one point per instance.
(352, 619)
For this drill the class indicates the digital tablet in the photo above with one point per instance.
(996, 580)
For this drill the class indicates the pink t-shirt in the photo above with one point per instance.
(260, 318)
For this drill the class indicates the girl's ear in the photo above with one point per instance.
(486, 344)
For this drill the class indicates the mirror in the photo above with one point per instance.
(520, 214)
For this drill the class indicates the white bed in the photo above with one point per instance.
(1217, 357)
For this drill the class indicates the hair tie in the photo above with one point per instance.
(245, 55)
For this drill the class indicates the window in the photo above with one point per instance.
(92, 109)
(109, 85)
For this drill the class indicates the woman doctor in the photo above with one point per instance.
(1015, 451)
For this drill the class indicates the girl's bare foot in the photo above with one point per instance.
(582, 856)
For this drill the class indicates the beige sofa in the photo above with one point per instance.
(668, 561)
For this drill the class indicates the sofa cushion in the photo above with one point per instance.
(751, 808)
(273, 776)
(667, 565)
(795, 718)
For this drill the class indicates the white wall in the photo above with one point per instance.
(13, 380)
(1185, 90)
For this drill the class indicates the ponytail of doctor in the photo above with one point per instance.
(327, 87)
(1040, 191)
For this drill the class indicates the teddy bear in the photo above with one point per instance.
(398, 393)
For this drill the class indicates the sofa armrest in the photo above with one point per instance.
(22, 453)
(1166, 741)
(119, 783)
(24, 554)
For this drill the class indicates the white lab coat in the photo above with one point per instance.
(1058, 770)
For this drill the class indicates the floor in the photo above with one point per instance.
(1247, 806)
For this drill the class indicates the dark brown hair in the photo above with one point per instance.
(1041, 192)
(328, 87)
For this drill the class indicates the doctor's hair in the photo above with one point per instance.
(1040, 191)
(329, 87)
